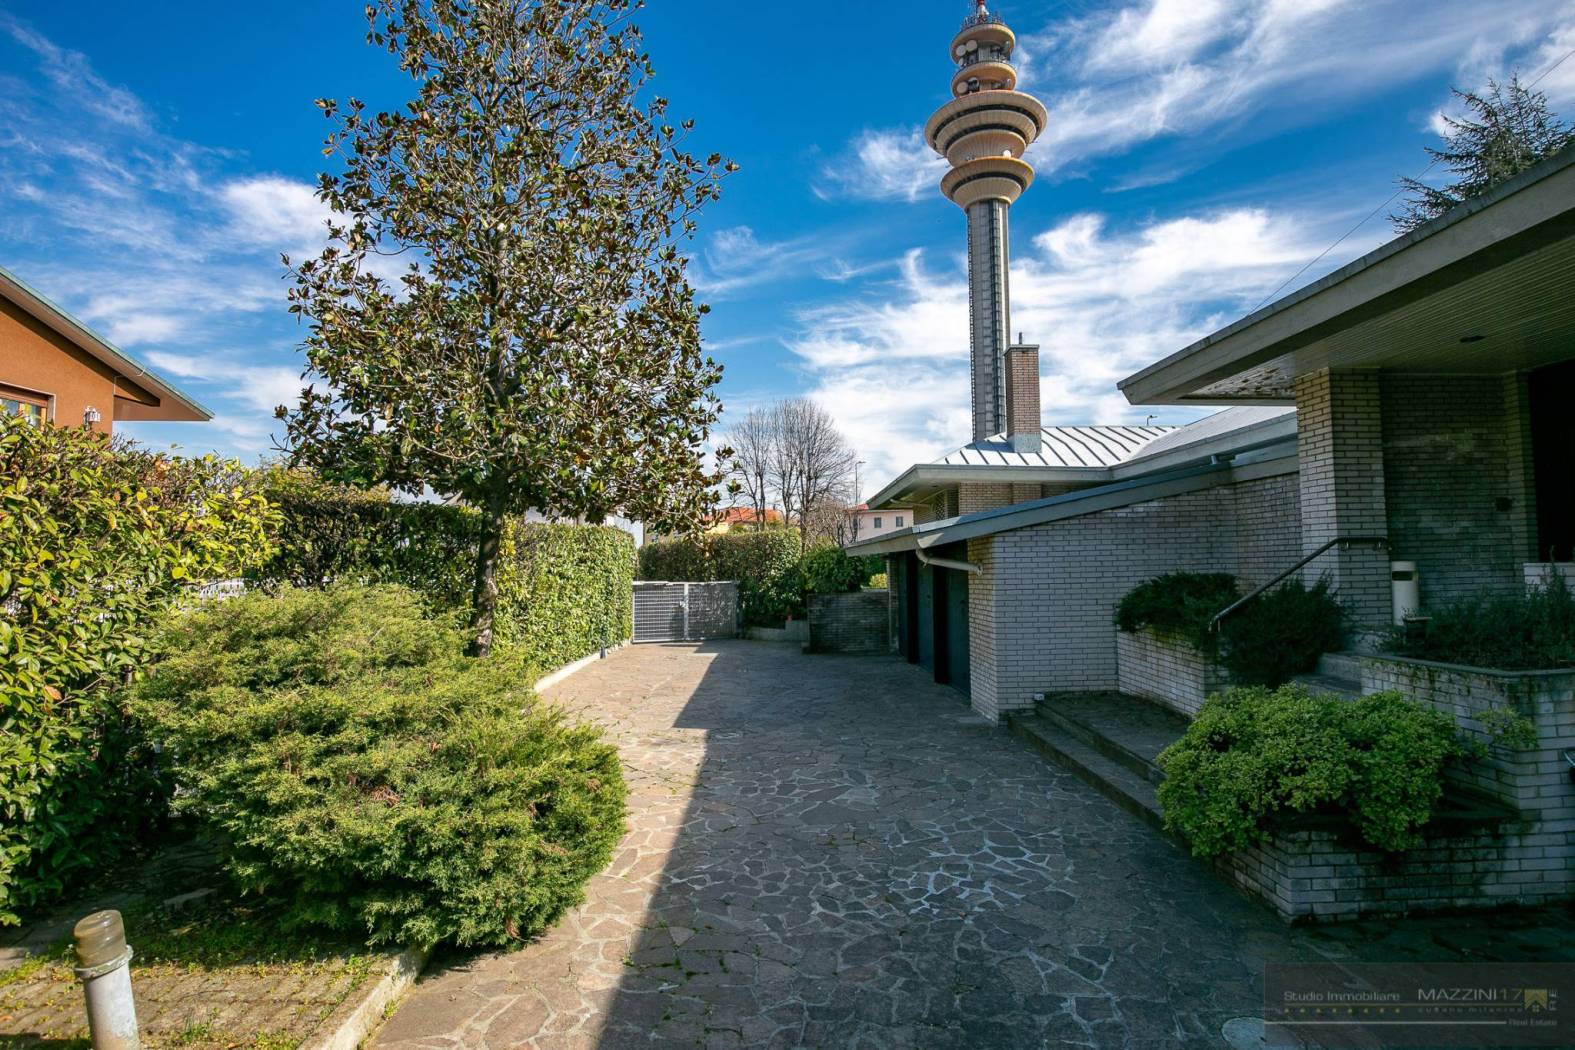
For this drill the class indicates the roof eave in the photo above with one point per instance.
(41, 308)
(1448, 241)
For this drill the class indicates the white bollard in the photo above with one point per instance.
(103, 957)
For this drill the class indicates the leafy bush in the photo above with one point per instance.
(879, 581)
(361, 772)
(1255, 756)
(97, 538)
(1281, 634)
(1179, 605)
(831, 570)
(1525, 630)
(764, 562)
(564, 591)
(332, 533)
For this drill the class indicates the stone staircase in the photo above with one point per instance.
(1336, 673)
(1109, 740)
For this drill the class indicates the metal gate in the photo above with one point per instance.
(685, 612)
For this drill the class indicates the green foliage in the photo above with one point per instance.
(1521, 630)
(764, 562)
(330, 533)
(366, 777)
(1179, 605)
(1508, 728)
(1255, 756)
(1281, 633)
(1504, 132)
(544, 353)
(564, 591)
(96, 540)
(831, 570)
(879, 581)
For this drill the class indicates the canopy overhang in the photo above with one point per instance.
(1486, 289)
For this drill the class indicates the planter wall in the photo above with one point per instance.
(849, 623)
(1166, 670)
(1535, 781)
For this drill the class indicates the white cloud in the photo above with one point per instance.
(1131, 74)
(884, 165)
(271, 211)
(261, 387)
(71, 73)
(893, 369)
(735, 259)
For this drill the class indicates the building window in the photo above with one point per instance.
(30, 409)
(877, 523)
(899, 521)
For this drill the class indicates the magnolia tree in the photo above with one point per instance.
(538, 343)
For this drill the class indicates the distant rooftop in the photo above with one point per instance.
(1072, 447)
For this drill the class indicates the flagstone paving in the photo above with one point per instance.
(832, 851)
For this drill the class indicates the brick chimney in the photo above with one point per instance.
(1022, 396)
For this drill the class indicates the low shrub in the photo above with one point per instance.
(764, 562)
(879, 581)
(97, 539)
(1179, 605)
(1525, 630)
(1255, 756)
(831, 570)
(1281, 634)
(362, 774)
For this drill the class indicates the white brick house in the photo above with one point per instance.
(1417, 395)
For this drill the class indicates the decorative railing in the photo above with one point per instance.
(983, 18)
(975, 58)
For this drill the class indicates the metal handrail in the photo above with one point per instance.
(976, 58)
(1339, 541)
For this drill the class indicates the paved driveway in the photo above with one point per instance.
(831, 851)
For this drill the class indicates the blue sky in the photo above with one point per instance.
(155, 160)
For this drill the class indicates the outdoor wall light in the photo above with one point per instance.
(91, 415)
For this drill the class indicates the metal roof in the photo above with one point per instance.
(1095, 447)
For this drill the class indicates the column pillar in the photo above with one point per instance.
(1340, 451)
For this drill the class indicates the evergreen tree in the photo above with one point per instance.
(1501, 133)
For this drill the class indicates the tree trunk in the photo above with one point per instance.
(484, 600)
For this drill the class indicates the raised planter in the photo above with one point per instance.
(849, 623)
(1536, 781)
(1167, 670)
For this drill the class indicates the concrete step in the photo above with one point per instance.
(1113, 748)
(1340, 665)
(1127, 789)
(1350, 688)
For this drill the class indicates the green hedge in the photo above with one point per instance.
(360, 774)
(1529, 630)
(97, 539)
(764, 562)
(832, 570)
(1278, 635)
(1254, 757)
(564, 591)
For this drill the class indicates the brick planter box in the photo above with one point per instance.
(1166, 670)
(1524, 855)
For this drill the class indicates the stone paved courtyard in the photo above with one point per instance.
(833, 852)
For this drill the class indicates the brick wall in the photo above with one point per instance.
(849, 623)
(1169, 671)
(1340, 448)
(1454, 447)
(974, 497)
(1042, 613)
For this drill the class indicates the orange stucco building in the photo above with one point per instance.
(53, 368)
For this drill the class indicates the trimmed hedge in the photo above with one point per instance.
(1179, 605)
(97, 539)
(564, 591)
(832, 570)
(764, 562)
(362, 775)
(1255, 756)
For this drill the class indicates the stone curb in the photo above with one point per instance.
(355, 1018)
(583, 662)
